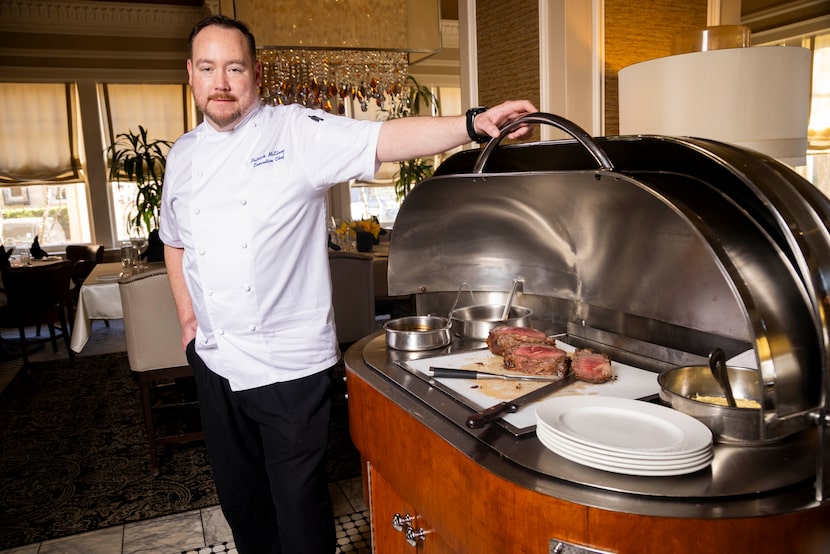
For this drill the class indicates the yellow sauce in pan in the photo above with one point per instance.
(721, 401)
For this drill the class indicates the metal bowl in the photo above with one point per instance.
(418, 332)
(475, 322)
(680, 385)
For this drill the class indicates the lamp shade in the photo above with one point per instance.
(758, 98)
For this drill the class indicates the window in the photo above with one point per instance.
(43, 193)
(56, 214)
(165, 111)
(817, 169)
(377, 197)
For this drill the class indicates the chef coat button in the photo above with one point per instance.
(220, 332)
(209, 293)
(252, 327)
(201, 251)
(244, 245)
(243, 202)
(247, 288)
(197, 211)
(204, 340)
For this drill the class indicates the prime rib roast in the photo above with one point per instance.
(537, 359)
(531, 351)
(590, 366)
(503, 338)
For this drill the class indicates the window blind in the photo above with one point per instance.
(39, 133)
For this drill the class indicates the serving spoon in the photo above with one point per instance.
(717, 363)
(509, 303)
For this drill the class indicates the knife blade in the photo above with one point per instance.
(455, 373)
(479, 419)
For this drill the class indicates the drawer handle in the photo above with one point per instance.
(413, 536)
(399, 521)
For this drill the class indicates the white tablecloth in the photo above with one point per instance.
(99, 299)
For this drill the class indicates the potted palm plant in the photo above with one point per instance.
(412, 172)
(136, 158)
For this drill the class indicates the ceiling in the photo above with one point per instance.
(774, 13)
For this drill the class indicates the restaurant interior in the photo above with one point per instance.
(82, 78)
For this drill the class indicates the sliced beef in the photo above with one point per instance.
(537, 359)
(590, 366)
(503, 337)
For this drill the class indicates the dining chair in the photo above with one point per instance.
(37, 295)
(85, 258)
(88, 252)
(153, 335)
(353, 295)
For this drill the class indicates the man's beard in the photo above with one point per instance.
(221, 119)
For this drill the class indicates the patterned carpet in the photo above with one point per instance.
(74, 455)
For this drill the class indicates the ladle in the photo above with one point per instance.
(509, 303)
(455, 304)
(717, 363)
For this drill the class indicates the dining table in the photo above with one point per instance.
(100, 298)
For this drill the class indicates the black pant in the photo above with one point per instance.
(266, 448)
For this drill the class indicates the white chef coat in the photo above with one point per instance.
(249, 208)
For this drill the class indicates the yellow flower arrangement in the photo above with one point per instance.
(367, 225)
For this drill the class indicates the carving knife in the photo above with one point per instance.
(454, 373)
(479, 419)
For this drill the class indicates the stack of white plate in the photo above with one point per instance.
(624, 436)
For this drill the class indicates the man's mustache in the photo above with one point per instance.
(222, 97)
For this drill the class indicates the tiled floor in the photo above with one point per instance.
(197, 532)
(192, 532)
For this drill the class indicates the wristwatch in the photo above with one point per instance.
(471, 130)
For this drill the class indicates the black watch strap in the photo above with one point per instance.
(471, 130)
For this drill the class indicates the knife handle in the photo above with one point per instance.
(480, 419)
(446, 373)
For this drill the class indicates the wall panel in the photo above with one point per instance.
(636, 31)
(508, 50)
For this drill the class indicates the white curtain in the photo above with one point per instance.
(38, 133)
(161, 109)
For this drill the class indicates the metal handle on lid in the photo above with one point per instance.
(561, 123)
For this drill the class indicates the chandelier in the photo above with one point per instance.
(326, 78)
(323, 53)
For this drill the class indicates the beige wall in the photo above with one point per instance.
(508, 50)
(636, 31)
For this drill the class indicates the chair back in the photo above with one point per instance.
(353, 294)
(81, 270)
(88, 252)
(35, 294)
(151, 326)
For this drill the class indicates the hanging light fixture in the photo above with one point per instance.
(719, 88)
(321, 78)
(322, 53)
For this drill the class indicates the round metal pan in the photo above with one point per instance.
(419, 332)
(681, 385)
(475, 322)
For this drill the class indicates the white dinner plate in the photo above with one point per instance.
(617, 453)
(642, 471)
(624, 426)
(626, 468)
(557, 444)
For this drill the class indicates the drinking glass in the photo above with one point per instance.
(128, 254)
(138, 238)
